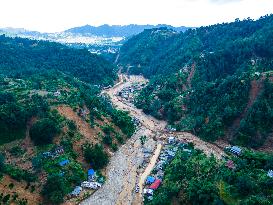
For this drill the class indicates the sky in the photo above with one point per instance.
(59, 15)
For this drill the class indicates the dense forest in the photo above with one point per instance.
(194, 178)
(21, 57)
(214, 81)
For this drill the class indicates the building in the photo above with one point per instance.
(270, 173)
(47, 154)
(230, 164)
(91, 174)
(236, 150)
(150, 180)
(59, 150)
(156, 184)
(90, 185)
(64, 162)
(57, 93)
(148, 191)
(171, 140)
(76, 191)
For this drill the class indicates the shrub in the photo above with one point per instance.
(119, 138)
(114, 147)
(2, 161)
(16, 151)
(6, 198)
(107, 140)
(71, 125)
(37, 163)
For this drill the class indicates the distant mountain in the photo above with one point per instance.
(105, 39)
(117, 30)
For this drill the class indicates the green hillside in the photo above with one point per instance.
(214, 81)
(23, 57)
(50, 99)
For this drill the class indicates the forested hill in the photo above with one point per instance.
(234, 44)
(214, 81)
(20, 57)
(45, 106)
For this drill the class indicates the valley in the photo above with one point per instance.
(125, 172)
(137, 114)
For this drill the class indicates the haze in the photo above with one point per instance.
(58, 15)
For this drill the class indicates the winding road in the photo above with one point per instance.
(125, 169)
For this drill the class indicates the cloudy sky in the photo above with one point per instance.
(58, 15)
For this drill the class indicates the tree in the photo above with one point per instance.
(43, 131)
(143, 139)
(95, 155)
(2, 161)
(107, 139)
(55, 189)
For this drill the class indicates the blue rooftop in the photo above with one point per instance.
(236, 149)
(150, 180)
(64, 162)
(77, 190)
(91, 172)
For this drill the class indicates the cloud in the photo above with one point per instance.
(52, 15)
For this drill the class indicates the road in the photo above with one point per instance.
(124, 171)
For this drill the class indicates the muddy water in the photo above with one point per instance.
(123, 171)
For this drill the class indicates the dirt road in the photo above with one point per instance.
(124, 171)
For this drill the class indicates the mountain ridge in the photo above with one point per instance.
(120, 30)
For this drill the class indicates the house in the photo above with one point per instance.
(76, 191)
(187, 150)
(64, 162)
(236, 150)
(230, 164)
(150, 198)
(90, 185)
(270, 173)
(47, 154)
(170, 129)
(171, 140)
(83, 112)
(171, 153)
(156, 184)
(91, 174)
(148, 191)
(59, 150)
(160, 174)
(57, 93)
(150, 180)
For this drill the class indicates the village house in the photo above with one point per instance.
(270, 173)
(91, 175)
(150, 180)
(64, 162)
(235, 150)
(76, 191)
